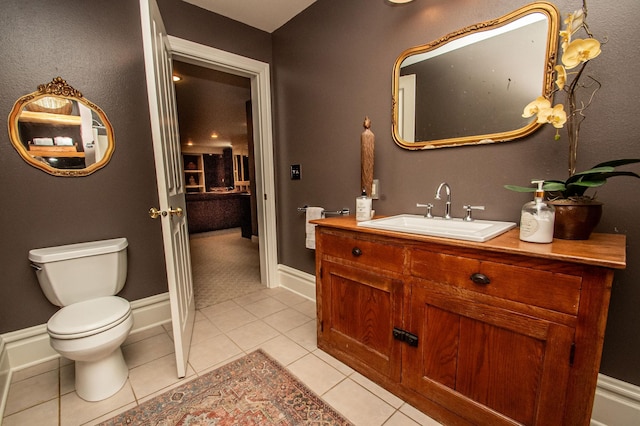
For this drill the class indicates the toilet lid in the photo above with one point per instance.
(89, 317)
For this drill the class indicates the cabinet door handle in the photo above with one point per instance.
(356, 252)
(479, 278)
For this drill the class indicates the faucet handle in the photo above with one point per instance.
(469, 208)
(428, 206)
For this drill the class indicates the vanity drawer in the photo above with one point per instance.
(551, 290)
(364, 252)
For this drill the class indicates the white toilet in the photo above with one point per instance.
(83, 279)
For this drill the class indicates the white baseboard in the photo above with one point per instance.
(617, 403)
(297, 281)
(24, 348)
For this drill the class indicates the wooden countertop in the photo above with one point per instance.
(607, 250)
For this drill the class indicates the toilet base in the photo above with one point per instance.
(98, 380)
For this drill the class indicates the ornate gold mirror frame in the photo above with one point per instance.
(475, 107)
(59, 131)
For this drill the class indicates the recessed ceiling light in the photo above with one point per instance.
(176, 78)
(399, 1)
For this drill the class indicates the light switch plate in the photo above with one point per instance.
(295, 172)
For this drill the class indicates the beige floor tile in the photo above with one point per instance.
(286, 320)
(212, 352)
(399, 419)
(305, 335)
(377, 390)
(418, 416)
(45, 414)
(147, 350)
(250, 298)
(231, 319)
(43, 367)
(252, 334)
(156, 375)
(358, 404)
(283, 350)
(144, 334)
(335, 363)
(307, 307)
(265, 307)
(32, 391)
(67, 378)
(289, 298)
(76, 411)
(315, 373)
(219, 308)
(204, 330)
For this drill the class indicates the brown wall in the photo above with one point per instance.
(97, 47)
(333, 67)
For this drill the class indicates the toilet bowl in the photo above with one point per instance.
(94, 344)
(92, 322)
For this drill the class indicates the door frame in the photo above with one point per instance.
(259, 74)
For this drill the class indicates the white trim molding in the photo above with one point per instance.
(617, 403)
(259, 74)
(297, 281)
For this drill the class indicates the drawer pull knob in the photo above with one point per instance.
(479, 278)
(356, 252)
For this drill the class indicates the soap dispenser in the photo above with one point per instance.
(363, 207)
(538, 217)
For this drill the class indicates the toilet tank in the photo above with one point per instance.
(76, 272)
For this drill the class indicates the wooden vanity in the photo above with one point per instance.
(496, 333)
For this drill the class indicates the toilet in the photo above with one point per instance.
(83, 279)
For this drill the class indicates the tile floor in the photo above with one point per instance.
(276, 320)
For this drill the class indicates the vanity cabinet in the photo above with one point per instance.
(502, 332)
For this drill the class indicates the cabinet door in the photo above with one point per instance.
(493, 365)
(358, 313)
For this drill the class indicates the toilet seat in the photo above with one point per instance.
(89, 317)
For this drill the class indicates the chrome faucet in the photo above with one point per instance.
(447, 206)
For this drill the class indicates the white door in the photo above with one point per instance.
(171, 188)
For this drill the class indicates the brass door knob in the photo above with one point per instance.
(177, 211)
(155, 213)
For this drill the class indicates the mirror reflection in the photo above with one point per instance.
(60, 132)
(469, 86)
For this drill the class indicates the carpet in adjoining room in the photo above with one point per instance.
(252, 390)
(224, 266)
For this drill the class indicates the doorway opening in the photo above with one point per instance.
(216, 138)
(260, 112)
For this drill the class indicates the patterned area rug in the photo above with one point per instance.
(253, 390)
(225, 266)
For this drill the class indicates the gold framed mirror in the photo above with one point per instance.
(470, 86)
(59, 131)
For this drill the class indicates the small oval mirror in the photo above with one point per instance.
(57, 130)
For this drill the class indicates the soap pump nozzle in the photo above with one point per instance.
(539, 195)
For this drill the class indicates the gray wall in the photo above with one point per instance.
(333, 67)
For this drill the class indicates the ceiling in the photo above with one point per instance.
(266, 15)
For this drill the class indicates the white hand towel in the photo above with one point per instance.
(310, 228)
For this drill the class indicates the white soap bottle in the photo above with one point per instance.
(538, 217)
(363, 207)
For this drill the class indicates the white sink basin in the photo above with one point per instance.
(476, 230)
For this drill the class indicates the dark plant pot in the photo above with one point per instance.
(576, 220)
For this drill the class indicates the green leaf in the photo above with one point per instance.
(520, 188)
(616, 163)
